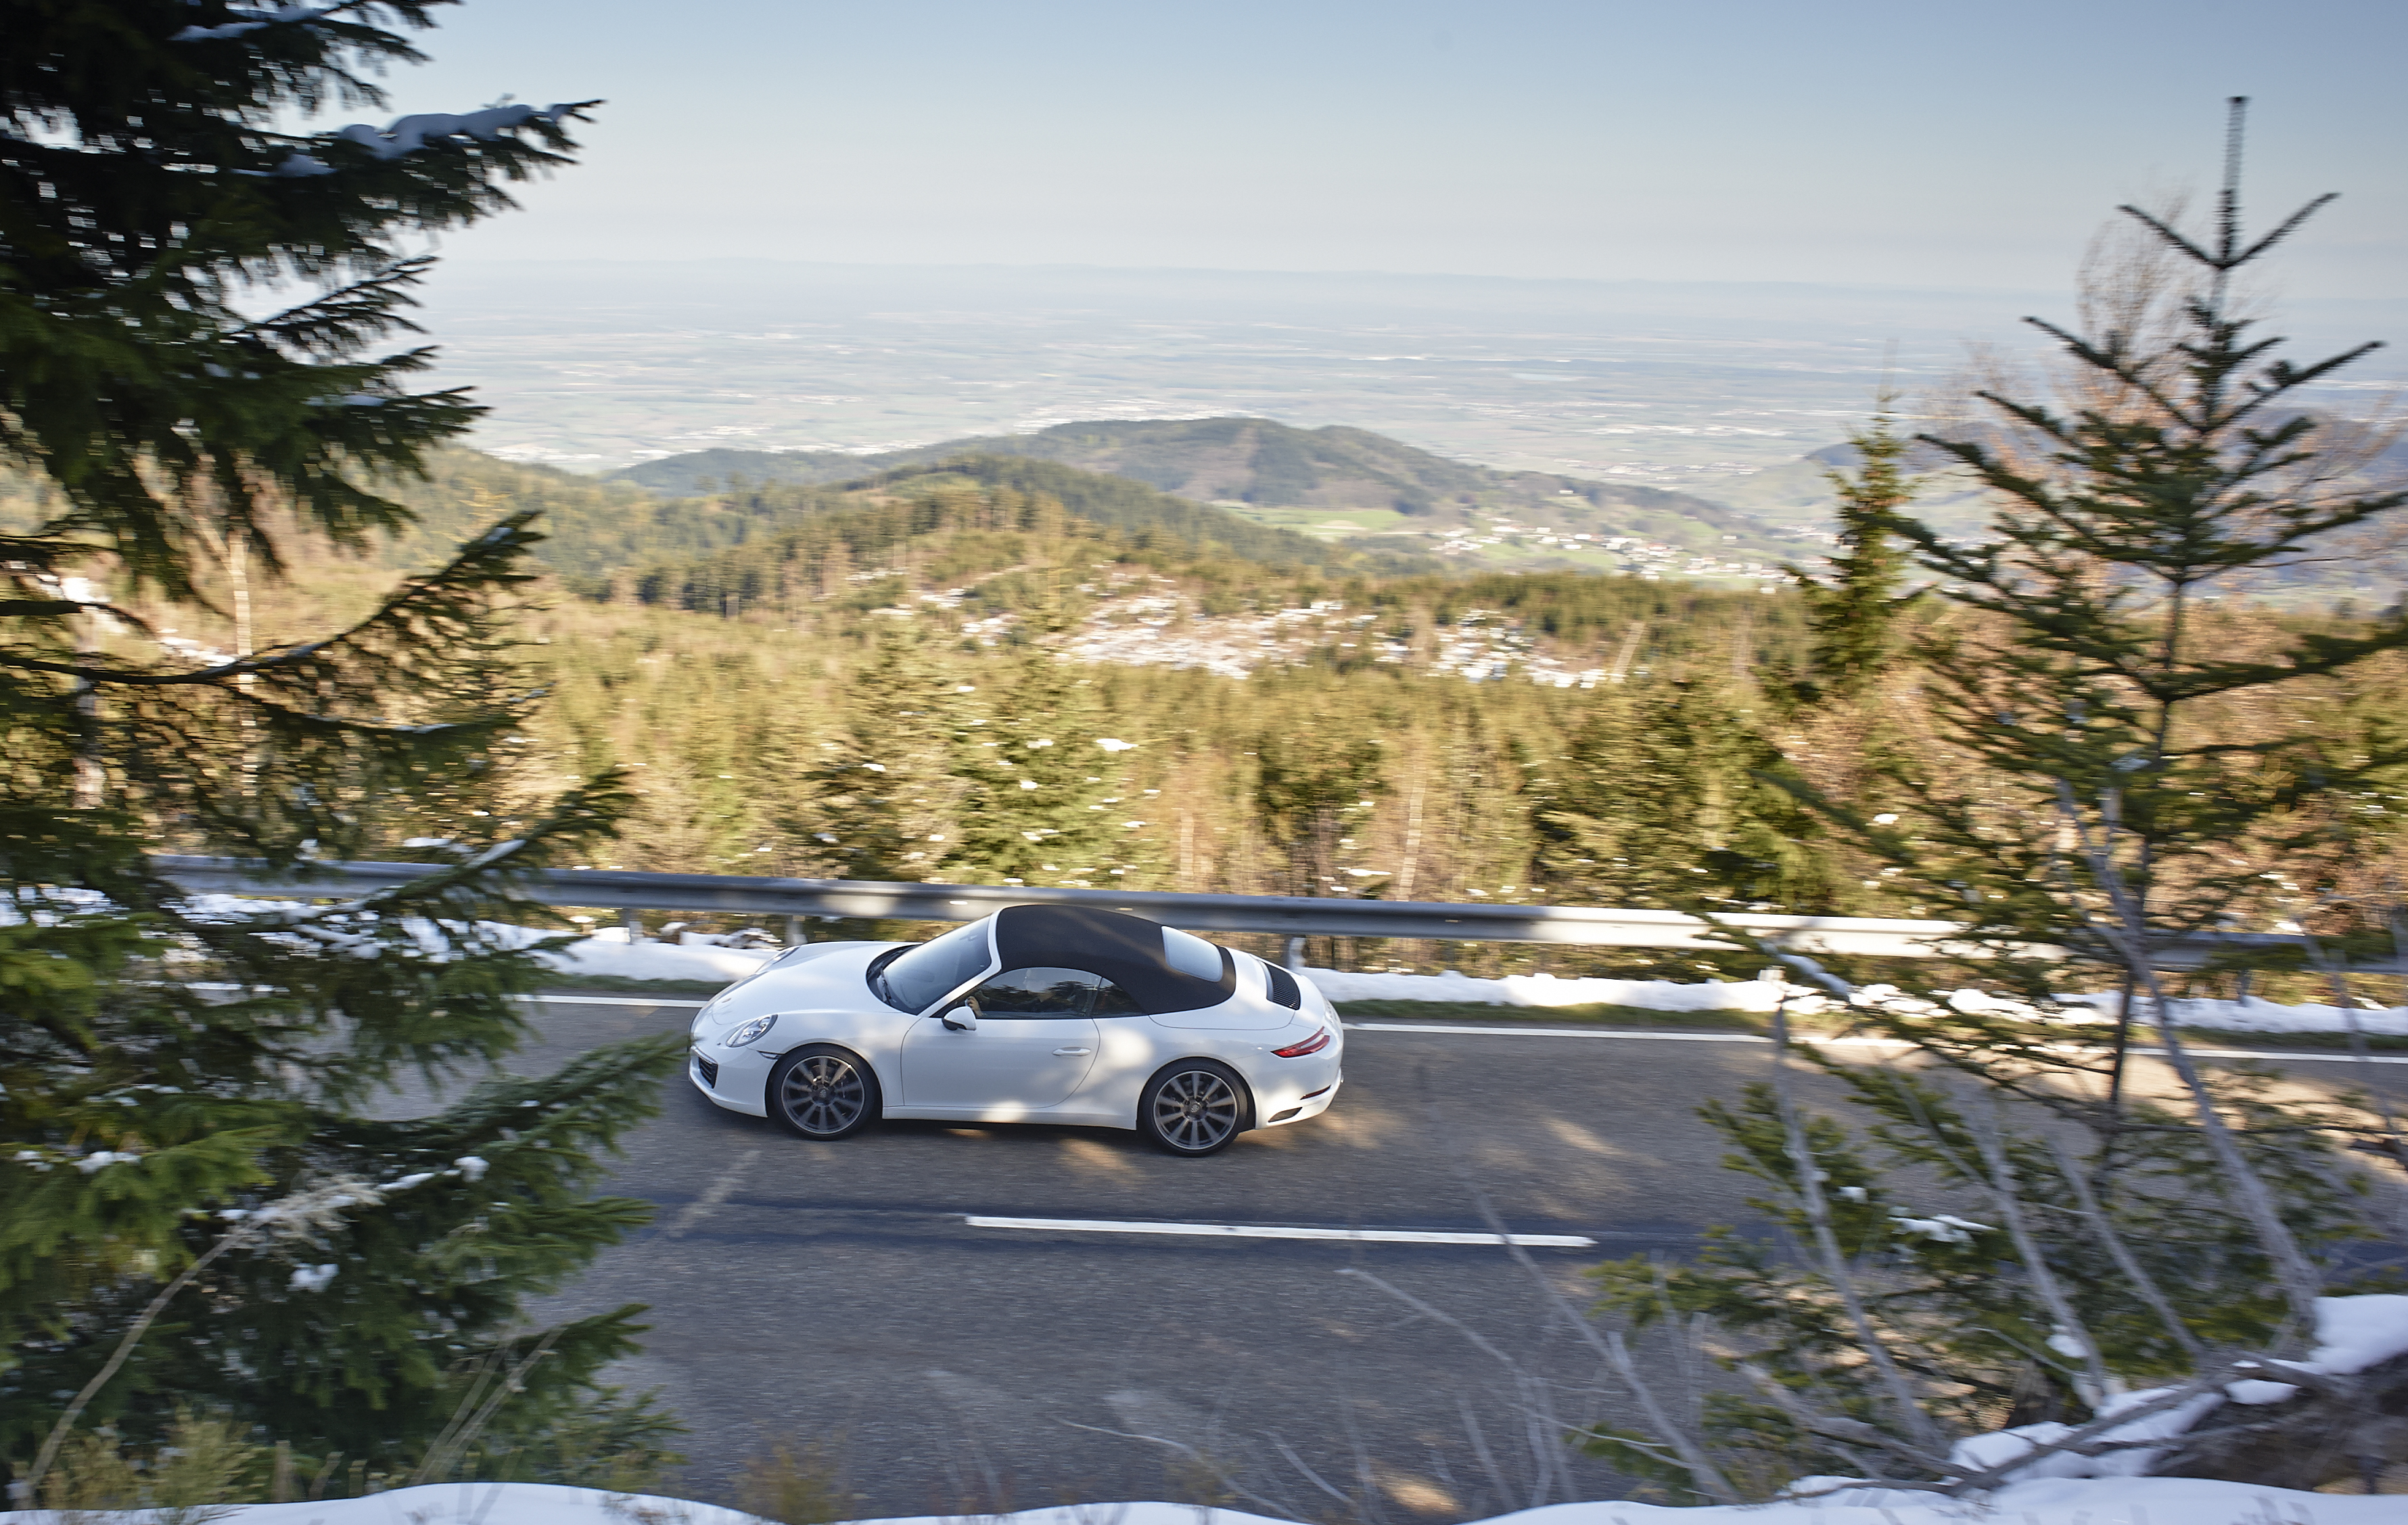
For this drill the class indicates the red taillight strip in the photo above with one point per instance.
(1314, 1045)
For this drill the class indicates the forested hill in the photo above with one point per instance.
(595, 527)
(1375, 485)
(1142, 515)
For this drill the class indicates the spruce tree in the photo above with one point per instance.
(2118, 769)
(1853, 611)
(1044, 801)
(885, 801)
(179, 1074)
(1663, 800)
(2117, 764)
(1315, 795)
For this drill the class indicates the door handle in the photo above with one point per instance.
(1072, 1051)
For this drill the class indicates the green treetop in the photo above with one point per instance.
(1852, 612)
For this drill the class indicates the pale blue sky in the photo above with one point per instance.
(1879, 143)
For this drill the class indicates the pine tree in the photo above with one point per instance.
(2112, 771)
(1664, 800)
(886, 802)
(1045, 801)
(1853, 611)
(2116, 774)
(173, 1071)
(1314, 794)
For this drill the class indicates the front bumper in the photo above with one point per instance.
(710, 1072)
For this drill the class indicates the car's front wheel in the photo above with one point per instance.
(1194, 1107)
(820, 1091)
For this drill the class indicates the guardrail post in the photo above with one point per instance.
(633, 923)
(795, 936)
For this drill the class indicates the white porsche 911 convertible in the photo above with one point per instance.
(1037, 1014)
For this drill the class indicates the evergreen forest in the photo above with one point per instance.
(1001, 670)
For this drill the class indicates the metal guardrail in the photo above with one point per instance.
(1284, 916)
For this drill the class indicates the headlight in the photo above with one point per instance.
(750, 1032)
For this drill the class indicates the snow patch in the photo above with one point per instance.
(618, 959)
(1763, 994)
(2121, 1501)
(1546, 990)
(312, 1278)
(2355, 1333)
(252, 21)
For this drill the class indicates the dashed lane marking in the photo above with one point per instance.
(1276, 1230)
(713, 1196)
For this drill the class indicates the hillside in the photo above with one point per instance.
(597, 526)
(1334, 482)
(1799, 495)
(1144, 515)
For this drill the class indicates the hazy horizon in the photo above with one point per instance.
(1878, 142)
(593, 364)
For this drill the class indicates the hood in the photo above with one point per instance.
(814, 974)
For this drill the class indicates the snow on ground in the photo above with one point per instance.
(2123, 1501)
(704, 957)
(697, 957)
(438, 1503)
(2352, 1334)
(1762, 995)
(694, 955)
(1546, 990)
(2355, 1333)
(2252, 1015)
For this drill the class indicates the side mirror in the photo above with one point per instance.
(960, 1019)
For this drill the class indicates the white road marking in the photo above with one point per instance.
(1629, 1033)
(610, 1001)
(1274, 1230)
(540, 1000)
(712, 1196)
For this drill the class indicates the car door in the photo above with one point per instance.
(1032, 1047)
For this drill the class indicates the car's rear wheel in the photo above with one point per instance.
(820, 1091)
(1194, 1107)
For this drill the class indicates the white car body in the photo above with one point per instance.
(1087, 1069)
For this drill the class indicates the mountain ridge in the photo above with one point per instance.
(1358, 485)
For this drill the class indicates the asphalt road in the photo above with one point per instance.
(840, 1294)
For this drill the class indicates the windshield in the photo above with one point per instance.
(922, 975)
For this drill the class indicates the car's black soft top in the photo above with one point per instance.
(1124, 949)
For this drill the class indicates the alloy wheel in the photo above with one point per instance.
(1196, 1109)
(824, 1095)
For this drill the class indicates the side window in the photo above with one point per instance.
(1280, 986)
(1035, 993)
(1111, 1001)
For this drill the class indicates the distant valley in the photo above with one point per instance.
(1691, 421)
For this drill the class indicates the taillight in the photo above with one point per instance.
(1314, 1045)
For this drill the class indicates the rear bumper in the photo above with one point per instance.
(1303, 1108)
